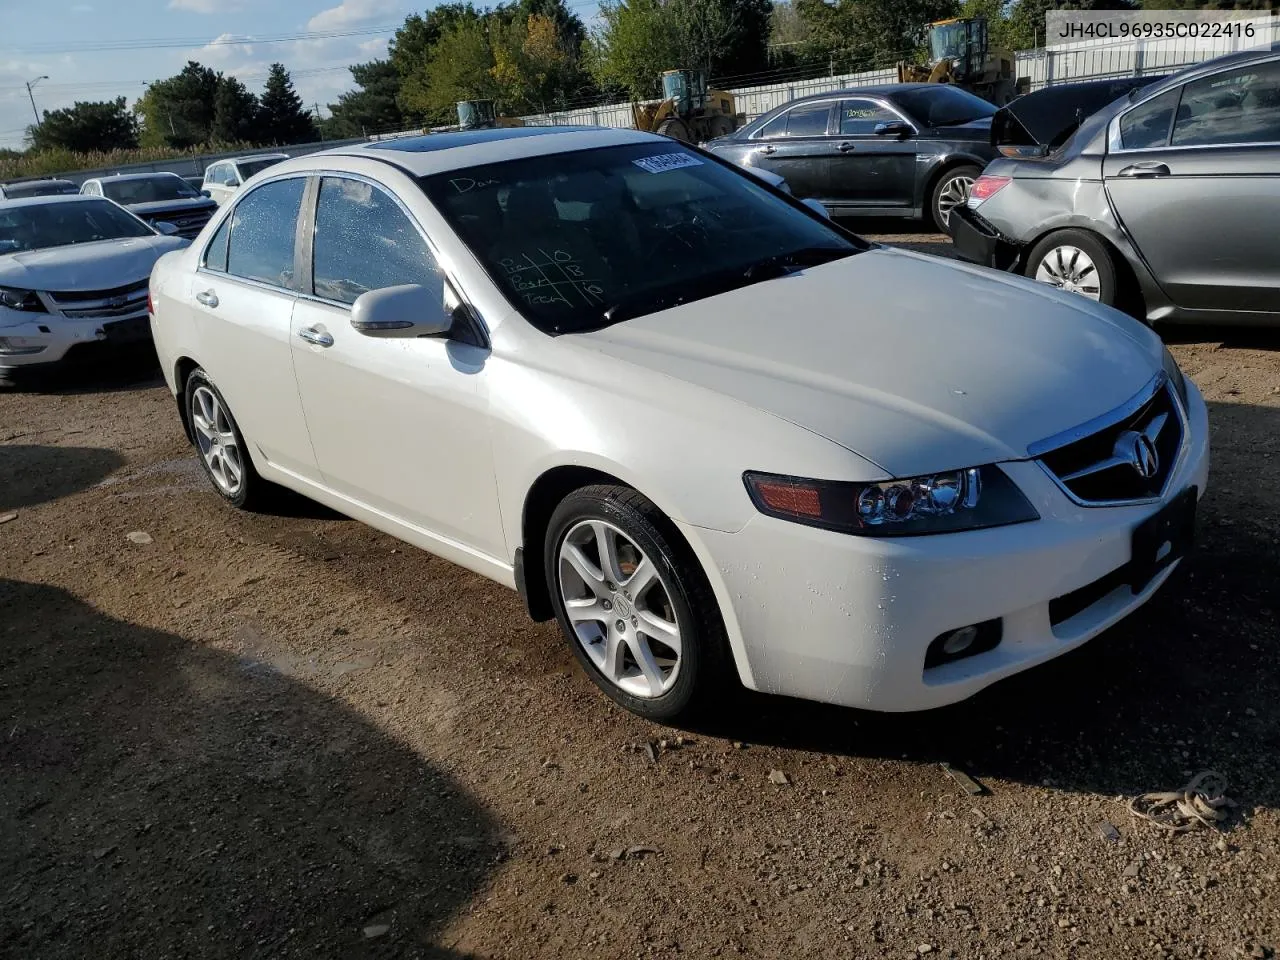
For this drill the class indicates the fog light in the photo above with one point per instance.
(18, 346)
(958, 641)
(963, 642)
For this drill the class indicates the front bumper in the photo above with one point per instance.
(39, 343)
(979, 242)
(847, 620)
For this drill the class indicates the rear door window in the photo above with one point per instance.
(1239, 106)
(809, 120)
(263, 226)
(1147, 126)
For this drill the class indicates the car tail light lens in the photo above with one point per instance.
(937, 503)
(986, 187)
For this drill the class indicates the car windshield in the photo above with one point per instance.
(40, 226)
(148, 190)
(943, 105)
(578, 241)
(39, 188)
(248, 168)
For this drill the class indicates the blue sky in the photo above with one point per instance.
(53, 37)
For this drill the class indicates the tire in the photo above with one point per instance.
(721, 126)
(205, 406)
(1076, 261)
(629, 658)
(675, 129)
(951, 189)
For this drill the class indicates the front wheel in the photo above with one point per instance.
(951, 191)
(1077, 262)
(632, 602)
(223, 452)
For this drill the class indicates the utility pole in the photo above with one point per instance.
(32, 97)
(319, 123)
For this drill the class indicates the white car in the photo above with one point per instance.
(73, 278)
(223, 179)
(709, 431)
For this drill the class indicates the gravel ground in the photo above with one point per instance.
(287, 735)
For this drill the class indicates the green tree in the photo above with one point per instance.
(235, 113)
(635, 42)
(281, 117)
(178, 111)
(84, 127)
(410, 52)
(370, 109)
(460, 67)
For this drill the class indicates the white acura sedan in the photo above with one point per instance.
(711, 433)
(73, 278)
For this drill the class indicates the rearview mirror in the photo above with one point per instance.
(816, 206)
(892, 128)
(409, 310)
(165, 227)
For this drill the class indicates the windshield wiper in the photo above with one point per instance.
(784, 263)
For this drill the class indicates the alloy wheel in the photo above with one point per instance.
(954, 193)
(619, 609)
(217, 441)
(1070, 268)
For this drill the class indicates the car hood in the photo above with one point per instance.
(1046, 117)
(189, 205)
(102, 265)
(914, 363)
(978, 131)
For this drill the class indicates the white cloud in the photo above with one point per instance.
(349, 13)
(226, 48)
(376, 47)
(82, 8)
(206, 6)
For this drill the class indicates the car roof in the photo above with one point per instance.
(881, 90)
(441, 152)
(120, 177)
(36, 181)
(251, 157)
(1208, 67)
(56, 198)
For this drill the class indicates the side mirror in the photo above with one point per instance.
(816, 206)
(165, 227)
(206, 193)
(409, 310)
(892, 128)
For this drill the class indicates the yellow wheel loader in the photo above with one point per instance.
(689, 112)
(960, 54)
(480, 115)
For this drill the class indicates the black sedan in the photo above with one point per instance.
(157, 198)
(1164, 203)
(905, 150)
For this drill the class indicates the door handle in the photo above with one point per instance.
(1147, 168)
(318, 337)
(768, 149)
(845, 146)
(208, 298)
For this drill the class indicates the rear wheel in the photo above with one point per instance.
(675, 129)
(632, 601)
(223, 452)
(1077, 262)
(951, 191)
(721, 126)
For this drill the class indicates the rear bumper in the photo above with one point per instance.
(979, 242)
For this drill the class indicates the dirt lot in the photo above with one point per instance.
(288, 735)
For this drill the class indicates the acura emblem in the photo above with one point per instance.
(1137, 450)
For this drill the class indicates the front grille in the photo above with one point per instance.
(1129, 458)
(102, 304)
(189, 225)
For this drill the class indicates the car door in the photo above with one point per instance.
(794, 145)
(1194, 177)
(870, 169)
(400, 425)
(241, 300)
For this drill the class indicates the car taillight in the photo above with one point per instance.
(985, 187)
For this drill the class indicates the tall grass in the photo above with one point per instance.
(14, 166)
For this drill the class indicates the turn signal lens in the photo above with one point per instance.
(986, 187)
(939, 503)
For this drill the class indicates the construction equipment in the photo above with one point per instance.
(689, 112)
(480, 115)
(960, 54)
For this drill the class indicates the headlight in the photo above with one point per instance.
(21, 300)
(1175, 377)
(939, 503)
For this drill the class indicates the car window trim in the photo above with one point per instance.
(883, 102)
(201, 266)
(306, 247)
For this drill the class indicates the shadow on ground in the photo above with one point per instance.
(124, 368)
(1246, 338)
(1191, 681)
(161, 799)
(35, 474)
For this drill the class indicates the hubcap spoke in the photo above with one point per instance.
(664, 631)
(648, 665)
(607, 550)
(587, 610)
(614, 666)
(641, 579)
(594, 579)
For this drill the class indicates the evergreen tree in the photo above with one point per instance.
(281, 117)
